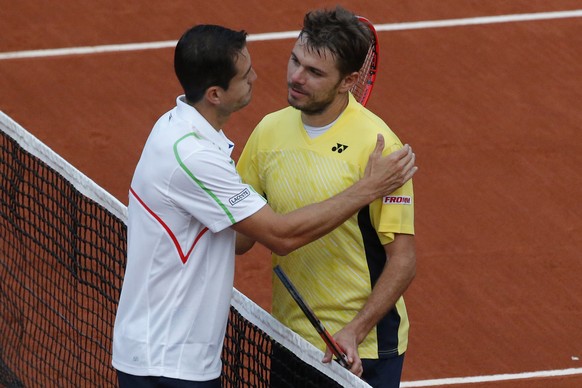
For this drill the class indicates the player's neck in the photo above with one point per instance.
(329, 115)
(215, 118)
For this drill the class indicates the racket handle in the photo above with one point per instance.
(340, 355)
(343, 361)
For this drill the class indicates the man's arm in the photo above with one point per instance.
(243, 243)
(397, 275)
(283, 233)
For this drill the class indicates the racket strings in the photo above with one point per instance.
(366, 76)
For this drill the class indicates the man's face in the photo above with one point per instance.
(239, 92)
(312, 79)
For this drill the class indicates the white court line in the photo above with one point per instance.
(480, 20)
(491, 378)
(293, 34)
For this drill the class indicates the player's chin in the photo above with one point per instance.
(242, 103)
(245, 103)
(248, 97)
(294, 101)
(294, 104)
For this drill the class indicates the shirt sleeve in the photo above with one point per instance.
(208, 186)
(394, 213)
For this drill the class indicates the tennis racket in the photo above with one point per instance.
(336, 349)
(363, 87)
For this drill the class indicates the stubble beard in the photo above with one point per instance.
(310, 107)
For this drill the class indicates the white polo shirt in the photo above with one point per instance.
(184, 196)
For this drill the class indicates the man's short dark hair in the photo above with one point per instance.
(340, 33)
(206, 56)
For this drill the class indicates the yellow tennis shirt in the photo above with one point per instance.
(336, 273)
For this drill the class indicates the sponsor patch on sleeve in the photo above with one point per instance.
(239, 197)
(397, 200)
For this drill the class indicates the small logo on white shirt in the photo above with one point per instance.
(397, 200)
(239, 197)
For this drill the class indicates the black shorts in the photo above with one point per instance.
(384, 372)
(286, 371)
(130, 381)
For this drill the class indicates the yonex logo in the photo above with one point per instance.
(239, 197)
(339, 148)
(397, 200)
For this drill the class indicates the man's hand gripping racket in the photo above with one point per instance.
(336, 349)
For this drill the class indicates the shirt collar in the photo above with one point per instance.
(199, 124)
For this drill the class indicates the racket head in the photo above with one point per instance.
(331, 343)
(362, 89)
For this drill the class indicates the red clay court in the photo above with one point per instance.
(490, 98)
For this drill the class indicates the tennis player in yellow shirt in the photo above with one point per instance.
(354, 278)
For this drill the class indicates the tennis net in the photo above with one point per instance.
(62, 260)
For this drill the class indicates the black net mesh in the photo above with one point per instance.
(61, 267)
(62, 258)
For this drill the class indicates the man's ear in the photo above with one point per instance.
(212, 95)
(348, 82)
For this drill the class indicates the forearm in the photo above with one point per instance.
(243, 243)
(394, 280)
(307, 224)
(397, 275)
(287, 232)
(283, 233)
(311, 222)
